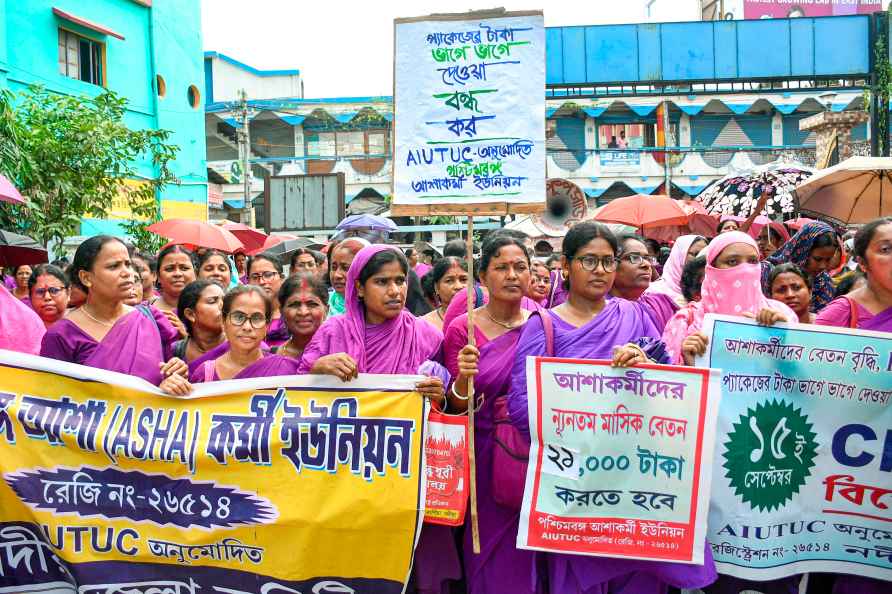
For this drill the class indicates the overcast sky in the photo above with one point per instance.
(345, 47)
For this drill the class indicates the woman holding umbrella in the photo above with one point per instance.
(104, 332)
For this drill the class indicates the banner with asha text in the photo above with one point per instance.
(801, 481)
(271, 485)
(620, 460)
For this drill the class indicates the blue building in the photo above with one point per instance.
(148, 51)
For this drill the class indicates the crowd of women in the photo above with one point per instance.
(181, 318)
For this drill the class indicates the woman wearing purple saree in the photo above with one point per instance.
(247, 312)
(377, 334)
(867, 308)
(104, 332)
(505, 272)
(590, 326)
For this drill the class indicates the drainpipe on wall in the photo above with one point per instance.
(153, 83)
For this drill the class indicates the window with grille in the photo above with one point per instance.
(81, 58)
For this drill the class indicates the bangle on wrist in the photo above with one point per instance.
(455, 393)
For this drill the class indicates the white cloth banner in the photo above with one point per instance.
(469, 102)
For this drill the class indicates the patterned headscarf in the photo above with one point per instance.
(797, 251)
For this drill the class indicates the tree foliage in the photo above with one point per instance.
(69, 157)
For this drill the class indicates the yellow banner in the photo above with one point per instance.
(270, 485)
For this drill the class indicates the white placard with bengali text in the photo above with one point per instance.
(469, 102)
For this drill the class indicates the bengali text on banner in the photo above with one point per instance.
(620, 460)
(801, 478)
(258, 485)
(469, 109)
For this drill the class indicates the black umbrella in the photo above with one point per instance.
(284, 249)
(16, 250)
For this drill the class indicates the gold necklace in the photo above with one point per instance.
(100, 322)
(509, 325)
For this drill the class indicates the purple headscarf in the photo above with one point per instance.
(399, 345)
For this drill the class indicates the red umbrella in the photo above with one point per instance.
(643, 211)
(8, 193)
(699, 223)
(270, 242)
(200, 233)
(250, 237)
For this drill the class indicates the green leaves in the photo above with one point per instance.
(69, 157)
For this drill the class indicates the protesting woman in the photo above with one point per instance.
(591, 326)
(505, 272)
(302, 260)
(104, 332)
(200, 308)
(377, 334)
(792, 287)
(683, 251)
(731, 286)
(540, 283)
(266, 272)
(632, 278)
(340, 257)
(22, 273)
(48, 288)
(247, 312)
(146, 267)
(811, 249)
(447, 278)
(303, 301)
(176, 269)
(868, 307)
(214, 266)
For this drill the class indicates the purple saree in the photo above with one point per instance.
(500, 567)
(277, 333)
(403, 345)
(267, 366)
(619, 323)
(137, 344)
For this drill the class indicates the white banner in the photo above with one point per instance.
(469, 103)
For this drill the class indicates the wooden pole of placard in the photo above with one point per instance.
(472, 399)
(470, 211)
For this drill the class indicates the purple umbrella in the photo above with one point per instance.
(367, 221)
(8, 193)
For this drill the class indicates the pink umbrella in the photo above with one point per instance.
(799, 223)
(8, 193)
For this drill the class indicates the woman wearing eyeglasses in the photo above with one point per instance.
(591, 326)
(247, 312)
(48, 287)
(266, 273)
(634, 269)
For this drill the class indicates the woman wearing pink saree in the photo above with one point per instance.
(21, 329)
(732, 285)
(104, 332)
(377, 334)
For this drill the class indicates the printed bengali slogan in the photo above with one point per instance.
(109, 487)
(801, 476)
(618, 459)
